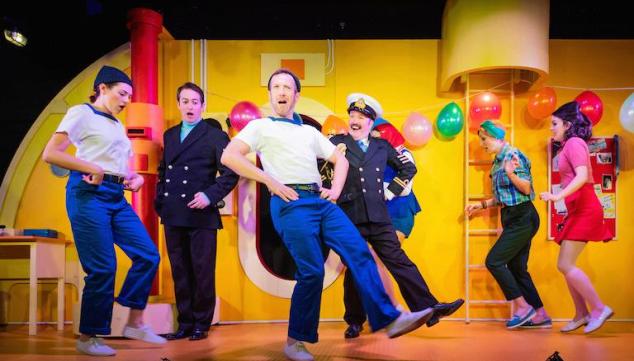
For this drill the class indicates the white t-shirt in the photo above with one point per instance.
(98, 137)
(288, 151)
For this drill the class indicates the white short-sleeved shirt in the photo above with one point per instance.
(288, 151)
(99, 138)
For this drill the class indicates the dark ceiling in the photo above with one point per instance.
(66, 36)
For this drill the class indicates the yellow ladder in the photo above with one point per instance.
(501, 83)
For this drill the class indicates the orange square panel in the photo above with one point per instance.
(296, 66)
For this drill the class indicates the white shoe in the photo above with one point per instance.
(143, 333)
(573, 325)
(297, 352)
(408, 322)
(95, 347)
(595, 323)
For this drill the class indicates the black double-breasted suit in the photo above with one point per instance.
(189, 167)
(363, 200)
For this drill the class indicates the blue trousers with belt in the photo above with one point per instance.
(303, 224)
(100, 217)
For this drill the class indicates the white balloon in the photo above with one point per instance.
(626, 114)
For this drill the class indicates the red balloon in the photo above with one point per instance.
(334, 125)
(242, 113)
(542, 103)
(391, 134)
(484, 106)
(591, 105)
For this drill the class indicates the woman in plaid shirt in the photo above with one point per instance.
(512, 187)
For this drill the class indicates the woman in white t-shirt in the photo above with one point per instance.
(99, 214)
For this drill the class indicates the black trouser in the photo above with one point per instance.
(192, 254)
(508, 258)
(386, 245)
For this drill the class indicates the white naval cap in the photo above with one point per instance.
(365, 104)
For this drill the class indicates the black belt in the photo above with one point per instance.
(113, 178)
(312, 187)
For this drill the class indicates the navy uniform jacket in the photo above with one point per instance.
(191, 167)
(362, 196)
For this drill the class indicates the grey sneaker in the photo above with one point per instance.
(298, 352)
(95, 347)
(408, 322)
(143, 333)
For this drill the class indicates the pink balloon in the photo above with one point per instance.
(242, 113)
(417, 130)
(591, 105)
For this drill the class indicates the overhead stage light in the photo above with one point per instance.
(15, 37)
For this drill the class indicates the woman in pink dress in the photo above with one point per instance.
(584, 222)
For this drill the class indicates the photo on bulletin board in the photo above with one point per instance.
(604, 162)
(604, 158)
(606, 182)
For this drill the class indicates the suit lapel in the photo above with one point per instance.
(193, 136)
(354, 148)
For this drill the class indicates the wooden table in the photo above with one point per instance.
(47, 258)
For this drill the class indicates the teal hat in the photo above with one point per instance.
(495, 131)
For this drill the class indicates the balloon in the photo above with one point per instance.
(334, 125)
(391, 134)
(591, 105)
(450, 120)
(542, 103)
(242, 113)
(484, 106)
(626, 115)
(417, 130)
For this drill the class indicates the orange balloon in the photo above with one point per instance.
(542, 103)
(333, 126)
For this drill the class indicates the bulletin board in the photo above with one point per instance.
(604, 159)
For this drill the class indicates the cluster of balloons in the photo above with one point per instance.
(543, 103)
(417, 129)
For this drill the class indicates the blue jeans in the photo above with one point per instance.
(100, 217)
(300, 224)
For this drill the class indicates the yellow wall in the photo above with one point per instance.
(402, 74)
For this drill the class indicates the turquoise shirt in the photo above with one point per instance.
(186, 128)
(503, 189)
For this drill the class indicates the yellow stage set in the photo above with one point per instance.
(499, 47)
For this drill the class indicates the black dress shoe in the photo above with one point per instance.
(178, 335)
(198, 335)
(353, 331)
(444, 310)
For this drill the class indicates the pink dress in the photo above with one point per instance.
(584, 221)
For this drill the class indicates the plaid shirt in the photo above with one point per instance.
(503, 189)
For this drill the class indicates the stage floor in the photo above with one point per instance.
(449, 340)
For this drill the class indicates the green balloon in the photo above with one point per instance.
(450, 120)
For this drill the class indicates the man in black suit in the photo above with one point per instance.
(363, 200)
(188, 193)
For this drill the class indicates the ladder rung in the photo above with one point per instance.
(480, 161)
(483, 232)
(488, 302)
(480, 196)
